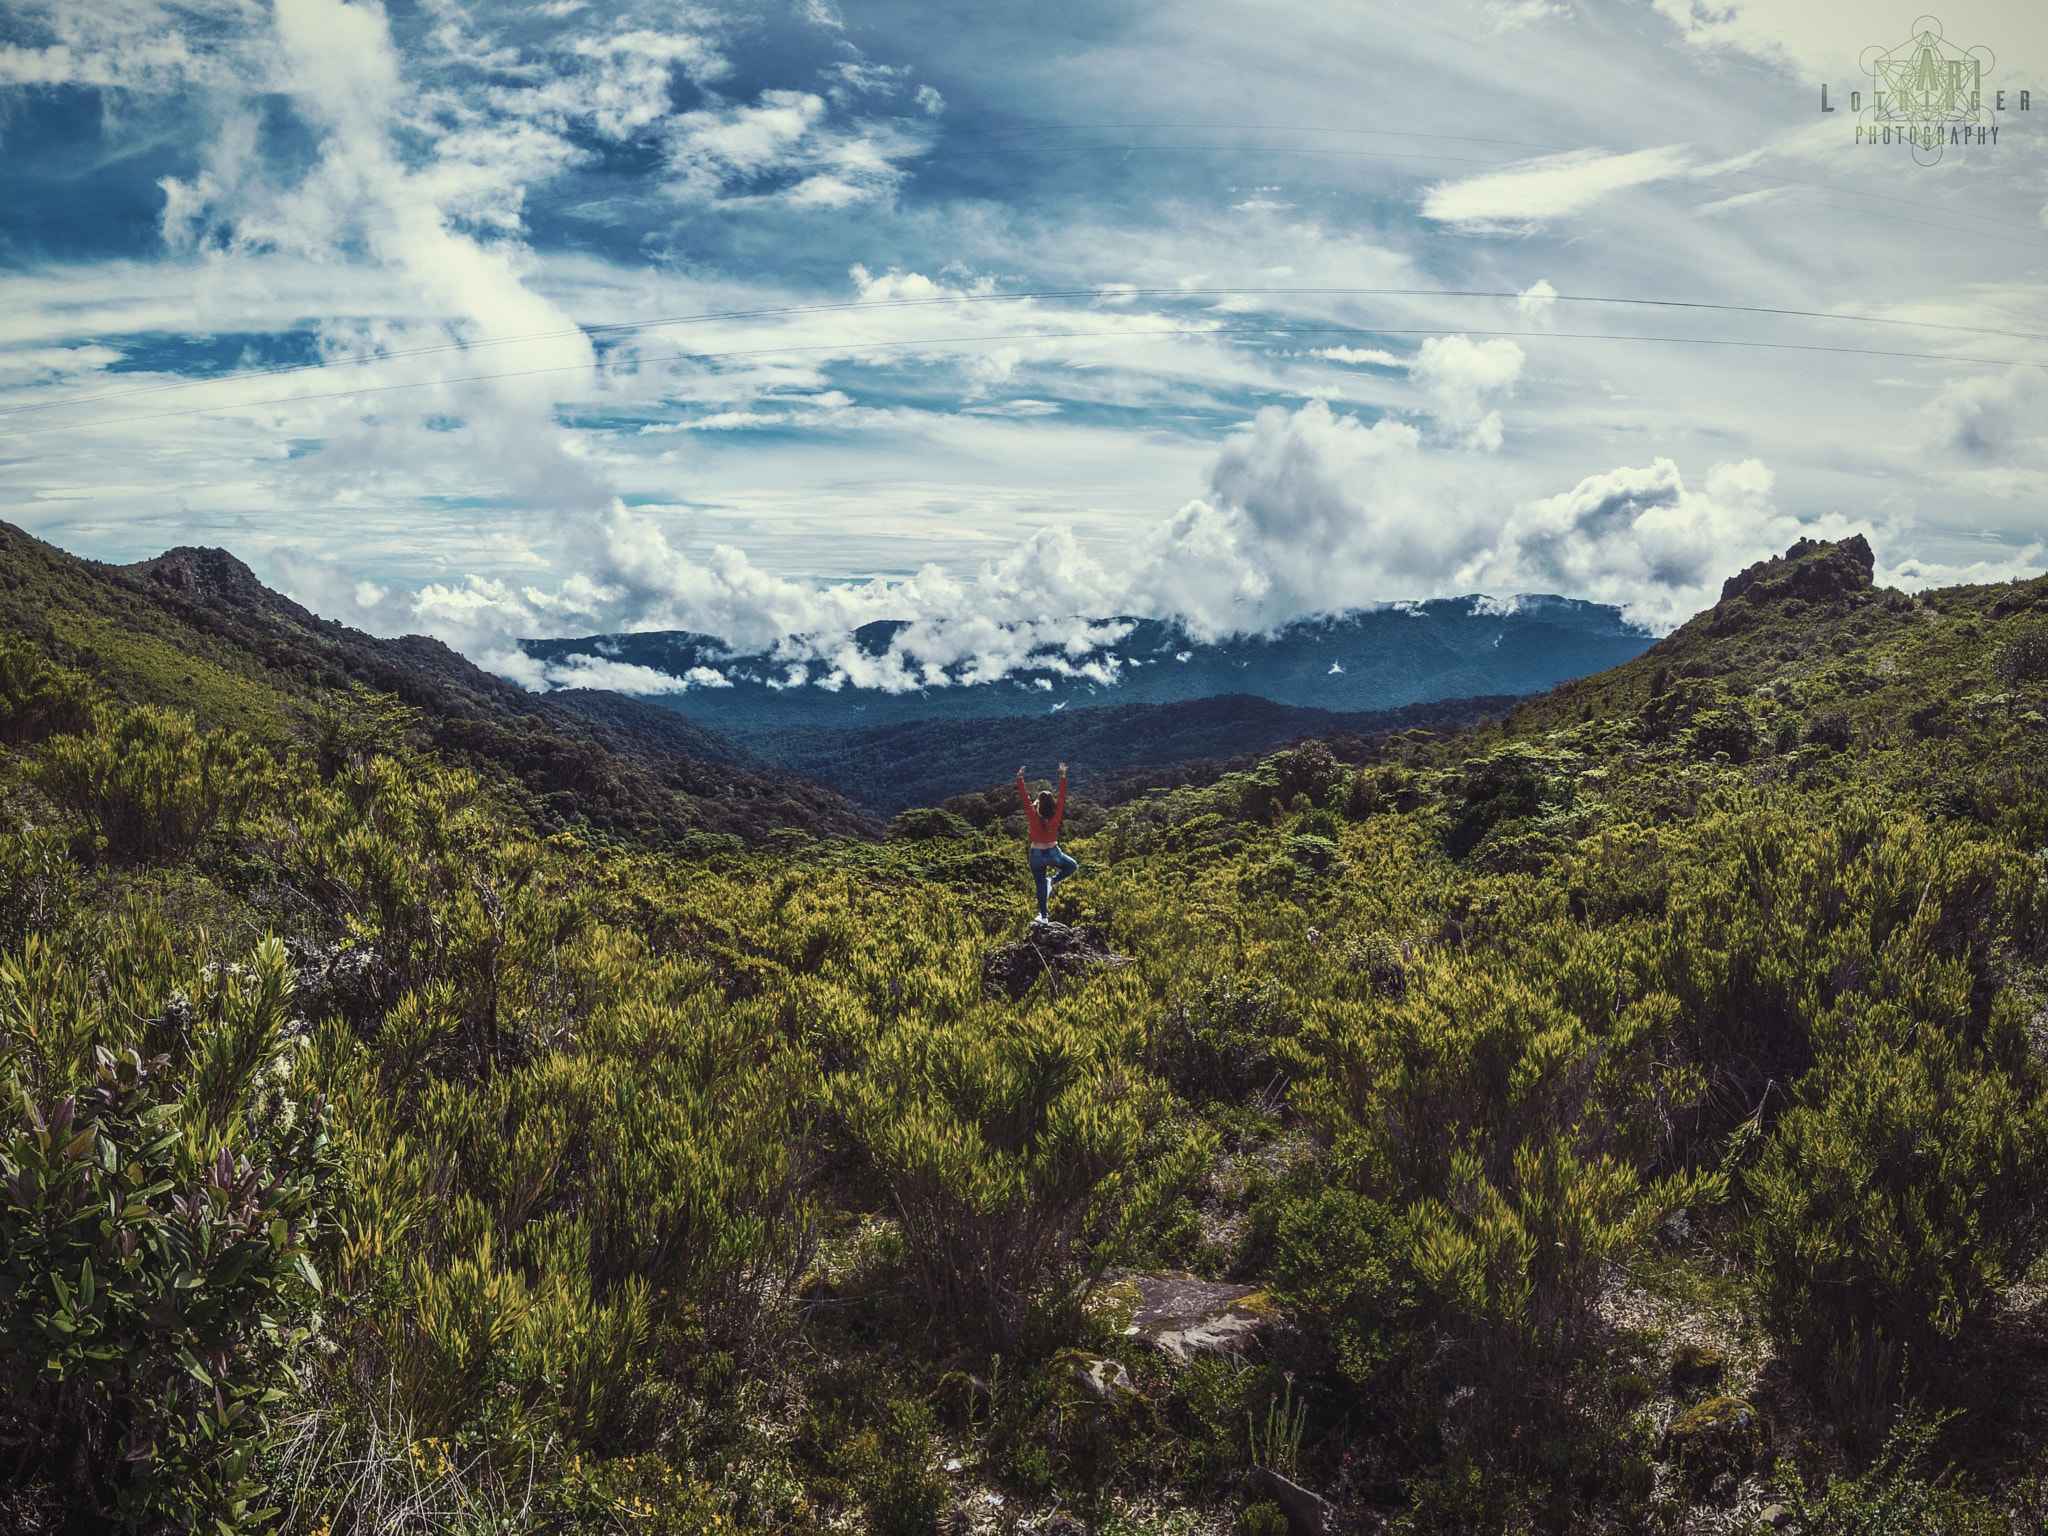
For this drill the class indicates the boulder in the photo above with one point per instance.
(1052, 950)
(1721, 1435)
(1307, 1513)
(1182, 1317)
(1106, 1381)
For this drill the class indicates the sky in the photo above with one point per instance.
(498, 319)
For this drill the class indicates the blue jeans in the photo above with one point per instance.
(1049, 866)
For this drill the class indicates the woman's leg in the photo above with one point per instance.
(1068, 865)
(1041, 879)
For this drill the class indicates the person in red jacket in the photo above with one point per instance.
(1049, 866)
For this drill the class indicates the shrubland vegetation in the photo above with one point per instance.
(1630, 1112)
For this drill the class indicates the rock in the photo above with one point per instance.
(1693, 1366)
(1308, 1513)
(1776, 1516)
(1052, 950)
(1183, 1317)
(1722, 1434)
(1809, 571)
(1106, 1381)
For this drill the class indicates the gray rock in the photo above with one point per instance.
(1308, 1513)
(1183, 1317)
(1106, 1380)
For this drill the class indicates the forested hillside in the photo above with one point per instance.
(1627, 1115)
(193, 629)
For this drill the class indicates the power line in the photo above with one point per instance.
(935, 341)
(784, 311)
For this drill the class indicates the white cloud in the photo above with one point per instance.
(1521, 197)
(1459, 377)
(1533, 305)
(1990, 416)
(1641, 538)
(1361, 355)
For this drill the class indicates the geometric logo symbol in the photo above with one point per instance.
(1924, 85)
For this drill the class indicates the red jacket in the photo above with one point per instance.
(1043, 833)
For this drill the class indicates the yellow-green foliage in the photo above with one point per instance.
(150, 785)
(39, 698)
(618, 1130)
(1003, 1140)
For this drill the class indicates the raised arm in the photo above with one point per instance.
(1060, 807)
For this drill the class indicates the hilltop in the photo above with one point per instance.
(195, 629)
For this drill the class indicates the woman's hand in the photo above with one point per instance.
(1020, 770)
(1063, 770)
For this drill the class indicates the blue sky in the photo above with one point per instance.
(501, 319)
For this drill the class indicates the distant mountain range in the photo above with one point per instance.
(1366, 660)
(195, 628)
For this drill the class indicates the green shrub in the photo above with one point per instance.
(38, 883)
(1507, 786)
(1727, 730)
(156, 1229)
(2022, 657)
(1315, 853)
(1897, 1194)
(928, 822)
(1346, 1264)
(1893, 1496)
(1002, 1141)
(151, 785)
(39, 699)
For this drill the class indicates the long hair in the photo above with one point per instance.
(1046, 804)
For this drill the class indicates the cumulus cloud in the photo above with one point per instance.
(1460, 377)
(1520, 198)
(1641, 538)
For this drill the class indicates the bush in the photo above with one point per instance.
(39, 699)
(1896, 1195)
(38, 882)
(1830, 728)
(1002, 1142)
(1507, 786)
(152, 786)
(928, 822)
(156, 1229)
(1722, 730)
(1346, 1263)
(2023, 656)
(1893, 1496)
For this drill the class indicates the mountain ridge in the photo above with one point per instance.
(1364, 659)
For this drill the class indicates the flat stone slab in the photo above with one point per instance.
(1182, 1316)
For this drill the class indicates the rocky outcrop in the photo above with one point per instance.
(1809, 570)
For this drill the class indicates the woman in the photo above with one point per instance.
(1049, 866)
